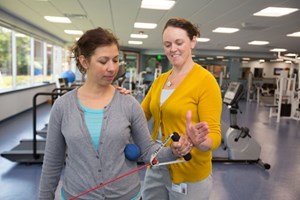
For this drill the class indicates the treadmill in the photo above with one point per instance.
(43, 132)
(32, 150)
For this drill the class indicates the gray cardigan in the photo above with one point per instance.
(69, 142)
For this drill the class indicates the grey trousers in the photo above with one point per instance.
(158, 185)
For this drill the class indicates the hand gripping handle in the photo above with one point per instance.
(175, 137)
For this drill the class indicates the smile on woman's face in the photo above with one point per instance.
(177, 45)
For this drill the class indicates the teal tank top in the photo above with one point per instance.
(93, 120)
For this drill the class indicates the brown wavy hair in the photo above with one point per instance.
(91, 40)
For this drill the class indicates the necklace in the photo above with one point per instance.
(169, 82)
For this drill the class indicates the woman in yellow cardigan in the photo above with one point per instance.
(186, 99)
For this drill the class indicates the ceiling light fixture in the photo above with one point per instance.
(203, 39)
(246, 59)
(135, 42)
(256, 42)
(225, 30)
(275, 11)
(73, 32)
(140, 36)
(291, 55)
(232, 47)
(157, 4)
(65, 20)
(278, 50)
(296, 34)
(145, 25)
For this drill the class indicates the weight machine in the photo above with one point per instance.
(287, 94)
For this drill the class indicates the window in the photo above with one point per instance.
(23, 60)
(38, 62)
(49, 73)
(6, 81)
(26, 61)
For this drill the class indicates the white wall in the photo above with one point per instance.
(15, 102)
(268, 68)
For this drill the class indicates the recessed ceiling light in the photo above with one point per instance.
(256, 42)
(296, 34)
(275, 11)
(73, 32)
(290, 54)
(232, 47)
(135, 42)
(225, 30)
(157, 4)
(278, 50)
(58, 19)
(144, 25)
(140, 36)
(246, 59)
(203, 39)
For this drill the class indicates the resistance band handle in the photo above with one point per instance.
(175, 137)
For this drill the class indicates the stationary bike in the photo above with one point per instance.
(237, 141)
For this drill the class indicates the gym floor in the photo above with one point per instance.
(280, 148)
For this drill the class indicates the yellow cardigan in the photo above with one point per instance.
(200, 93)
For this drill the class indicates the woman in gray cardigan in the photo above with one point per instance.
(89, 128)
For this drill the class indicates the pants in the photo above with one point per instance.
(158, 185)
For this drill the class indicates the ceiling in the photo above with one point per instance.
(120, 15)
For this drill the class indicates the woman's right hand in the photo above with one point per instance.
(181, 147)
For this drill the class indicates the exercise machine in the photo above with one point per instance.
(56, 92)
(287, 94)
(237, 141)
(31, 150)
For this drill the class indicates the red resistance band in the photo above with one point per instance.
(110, 181)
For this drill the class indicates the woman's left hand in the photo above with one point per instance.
(123, 90)
(197, 133)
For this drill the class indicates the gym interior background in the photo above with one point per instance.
(262, 54)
